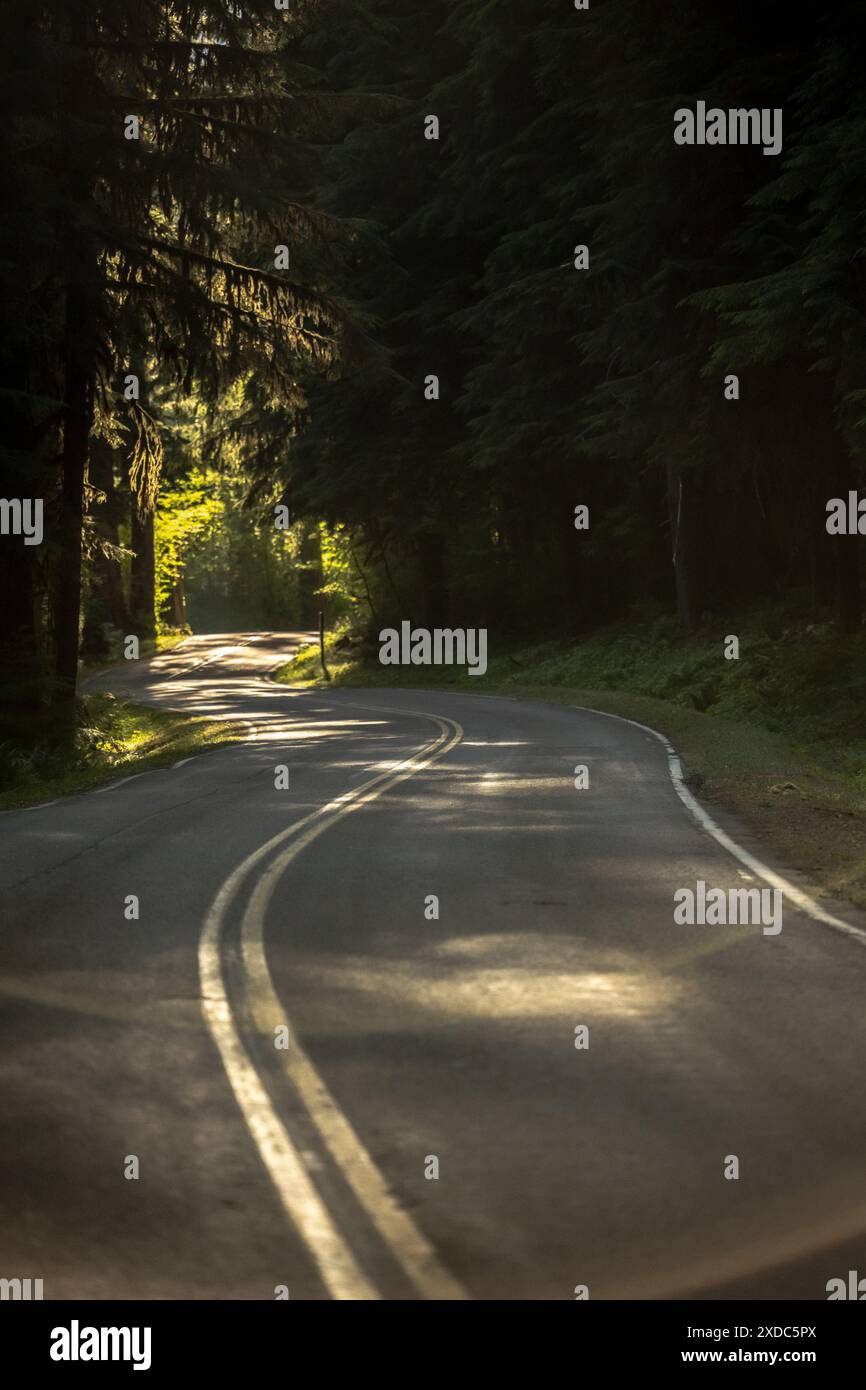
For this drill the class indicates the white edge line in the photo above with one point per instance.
(800, 899)
(97, 791)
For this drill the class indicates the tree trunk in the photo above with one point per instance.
(849, 607)
(77, 418)
(78, 359)
(19, 652)
(142, 593)
(178, 602)
(570, 555)
(105, 603)
(20, 669)
(109, 568)
(680, 511)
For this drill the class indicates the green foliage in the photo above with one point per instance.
(453, 258)
(151, 256)
(188, 514)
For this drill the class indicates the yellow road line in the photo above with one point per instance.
(339, 1270)
(409, 1247)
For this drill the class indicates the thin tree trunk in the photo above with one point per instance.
(106, 603)
(680, 511)
(77, 418)
(570, 554)
(19, 652)
(142, 593)
(370, 604)
(20, 672)
(178, 602)
(389, 576)
(849, 605)
(78, 367)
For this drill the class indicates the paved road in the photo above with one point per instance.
(302, 915)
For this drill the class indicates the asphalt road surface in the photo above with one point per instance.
(303, 915)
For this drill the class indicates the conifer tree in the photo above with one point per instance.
(159, 194)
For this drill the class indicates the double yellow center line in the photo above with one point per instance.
(333, 1257)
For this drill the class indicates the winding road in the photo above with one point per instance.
(329, 1091)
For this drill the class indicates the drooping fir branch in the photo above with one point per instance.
(330, 114)
(145, 460)
(250, 291)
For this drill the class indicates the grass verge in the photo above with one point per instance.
(114, 738)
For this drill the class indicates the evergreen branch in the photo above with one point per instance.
(253, 273)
